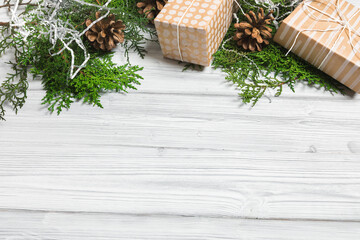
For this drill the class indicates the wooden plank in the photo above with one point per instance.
(192, 122)
(76, 226)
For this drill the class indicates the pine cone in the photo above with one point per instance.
(106, 33)
(254, 34)
(151, 8)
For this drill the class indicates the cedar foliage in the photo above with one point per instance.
(100, 75)
(254, 73)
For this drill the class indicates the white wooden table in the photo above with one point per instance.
(182, 158)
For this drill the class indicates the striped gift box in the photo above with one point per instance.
(326, 33)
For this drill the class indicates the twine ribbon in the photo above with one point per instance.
(178, 29)
(340, 19)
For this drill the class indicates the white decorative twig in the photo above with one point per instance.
(57, 30)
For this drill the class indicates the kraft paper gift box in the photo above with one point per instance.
(326, 34)
(192, 31)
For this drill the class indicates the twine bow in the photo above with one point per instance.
(340, 19)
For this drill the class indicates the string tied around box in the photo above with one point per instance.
(178, 29)
(182, 17)
(340, 19)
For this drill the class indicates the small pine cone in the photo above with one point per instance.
(106, 33)
(151, 8)
(254, 34)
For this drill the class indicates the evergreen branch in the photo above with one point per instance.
(255, 73)
(13, 91)
(98, 76)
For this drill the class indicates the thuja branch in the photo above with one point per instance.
(99, 75)
(268, 69)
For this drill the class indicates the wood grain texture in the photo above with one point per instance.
(182, 158)
(75, 226)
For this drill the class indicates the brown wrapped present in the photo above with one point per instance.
(326, 33)
(192, 30)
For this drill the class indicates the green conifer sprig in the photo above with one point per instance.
(257, 72)
(13, 90)
(100, 74)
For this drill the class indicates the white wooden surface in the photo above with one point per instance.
(182, 158)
